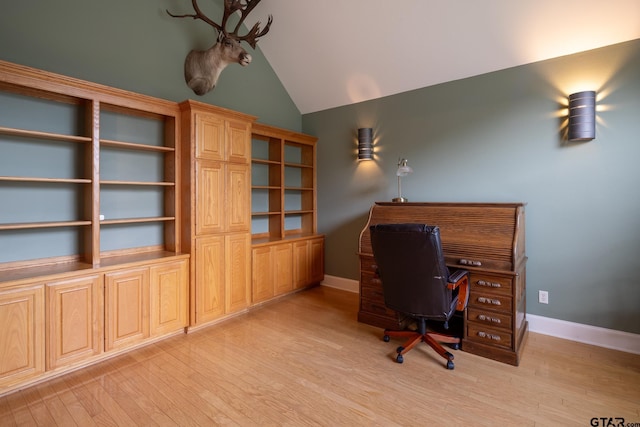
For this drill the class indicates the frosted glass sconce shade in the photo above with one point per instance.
(582, 116)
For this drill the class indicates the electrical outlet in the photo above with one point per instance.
(101, 217)
(543, 297)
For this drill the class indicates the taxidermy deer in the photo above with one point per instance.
(203, 67)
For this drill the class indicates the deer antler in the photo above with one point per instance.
(252, 36)
(231, 7)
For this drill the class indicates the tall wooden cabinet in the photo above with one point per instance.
(216, 156)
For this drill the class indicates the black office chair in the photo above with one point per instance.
(416, 283)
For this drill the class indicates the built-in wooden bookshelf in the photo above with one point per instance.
(288, 254)
(90, 223)
(283, 189)
(83, 166)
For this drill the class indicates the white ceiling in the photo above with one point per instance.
(330, 53)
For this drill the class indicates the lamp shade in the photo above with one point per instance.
(365, 144)
(582, 116)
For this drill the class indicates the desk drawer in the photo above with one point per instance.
(490, 301)
(376, 307)
(491, 336)
(368, 263)
(373, 293)
(489, 318)
(482, 282)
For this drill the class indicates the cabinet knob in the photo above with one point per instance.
(491, 301)
(488, 319)
(493, 337)
(489, 284)
(470, 262)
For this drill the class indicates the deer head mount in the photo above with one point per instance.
(203, 67)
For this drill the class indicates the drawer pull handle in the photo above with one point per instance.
(489, 284)
(470, 262)
(488, 319)
(488, 301)
(490, 336)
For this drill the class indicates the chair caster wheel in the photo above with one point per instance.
(399, 349)
(455, 346)
(386, 338)
(450, 365)
(400, 359)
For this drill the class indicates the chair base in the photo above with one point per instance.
(432, 339)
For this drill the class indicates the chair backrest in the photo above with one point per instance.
(412, 269)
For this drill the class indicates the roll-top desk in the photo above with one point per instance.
(488, 240)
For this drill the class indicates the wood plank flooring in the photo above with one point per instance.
(305, 360)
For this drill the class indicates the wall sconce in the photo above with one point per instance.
(582, 116)
(403, 170)
(365, 144)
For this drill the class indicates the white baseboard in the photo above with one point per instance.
(602, 337)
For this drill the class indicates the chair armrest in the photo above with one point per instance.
(460, 279)
(456, 276)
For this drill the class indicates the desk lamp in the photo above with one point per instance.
(403, 170)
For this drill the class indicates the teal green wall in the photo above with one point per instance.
(498, 138)
(135, 45)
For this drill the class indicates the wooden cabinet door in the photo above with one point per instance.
(22, 349)
(238, 206)
(209, 204)
(209, 138)
(74, 320)
(238, 137)
(237, 271)
(262, 285)
(316, 248)
(210, 278)
(126, 307)
(168, 284)
(301, 272)
(283, 268)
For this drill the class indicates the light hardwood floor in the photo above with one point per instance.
(305, 360)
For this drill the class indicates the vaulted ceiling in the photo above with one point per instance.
(330, 53)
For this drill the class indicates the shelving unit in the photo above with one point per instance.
(87, 172)
(288, 254)
(283, 190)
(45, 182)
(90, 223)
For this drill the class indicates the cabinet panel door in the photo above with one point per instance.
(209, 286)
(168, 286)
(209, 137)
(317, 260)
(283, 268)
(209, 204)
(301, 267)
(238, 271)
(238, 141)
(21, 335)
(262, 274)
(126, 307)
(238, 207)
(74, 320)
